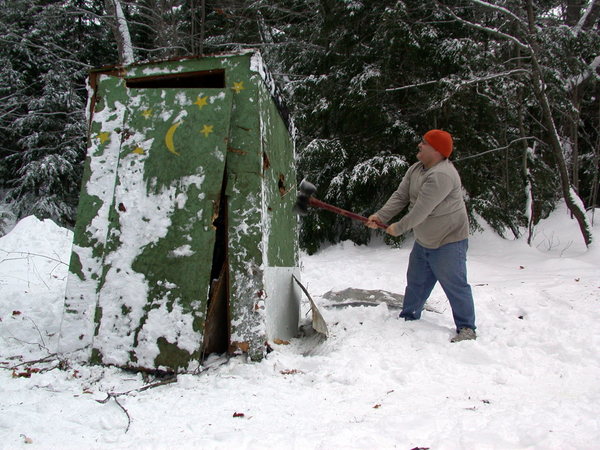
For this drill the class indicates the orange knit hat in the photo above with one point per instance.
(440, 140)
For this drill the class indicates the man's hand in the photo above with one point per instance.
(372, 221)
(390, 230)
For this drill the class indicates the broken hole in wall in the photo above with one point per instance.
(281, 185)
(216, 327)
(266, 162)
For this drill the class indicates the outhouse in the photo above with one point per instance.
(186, 241)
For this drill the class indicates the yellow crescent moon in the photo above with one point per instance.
(169, 138)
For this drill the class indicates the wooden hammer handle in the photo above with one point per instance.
(319, 204)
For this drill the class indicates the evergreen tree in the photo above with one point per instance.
(47, 49)
(428, 69)
(532, 39)
(363, 79)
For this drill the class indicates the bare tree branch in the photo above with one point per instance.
(501, 10)
(488, 30)
(588, 18)
(462, 83)
(510, 144)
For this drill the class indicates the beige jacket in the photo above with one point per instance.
(437, 213)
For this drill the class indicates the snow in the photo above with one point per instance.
(530, 380)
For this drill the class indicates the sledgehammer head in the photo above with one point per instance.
(305, 192)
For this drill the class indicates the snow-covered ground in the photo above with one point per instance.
(530, 381)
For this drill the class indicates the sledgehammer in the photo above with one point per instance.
(305, 198)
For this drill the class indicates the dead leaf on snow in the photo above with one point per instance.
(239, 346)
(290, 372)
(26, 373)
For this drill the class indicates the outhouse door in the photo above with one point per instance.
(153, 294)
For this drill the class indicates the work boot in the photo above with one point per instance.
(464, 334)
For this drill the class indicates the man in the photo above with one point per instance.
(438, 217)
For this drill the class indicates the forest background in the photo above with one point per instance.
(515, 81)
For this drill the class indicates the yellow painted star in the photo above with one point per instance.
(147, 113)
(201, 101)
(104, 136)
(206, 130)
(238, 86)
(138, 151)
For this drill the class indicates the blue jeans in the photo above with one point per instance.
(448, 265)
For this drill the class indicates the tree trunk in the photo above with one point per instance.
(202, 25)
(590, 16)
(120, 31)
(574, 203)
(529, 195)
(573, 133)
(595, 182)
(573, 12)
(569, 194)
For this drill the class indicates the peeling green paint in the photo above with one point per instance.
(96, 356)
(171, 355)
(75, 266)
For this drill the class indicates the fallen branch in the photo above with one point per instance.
(41, 346)
(26, 369)
(36, 361)
(116, 395)
(198, 371)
